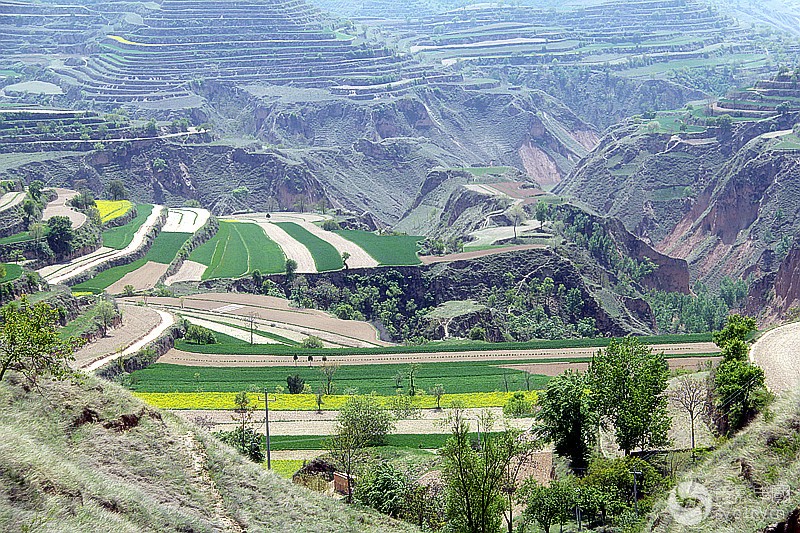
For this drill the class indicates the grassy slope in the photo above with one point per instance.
(121, 236)
(164, 249)
(456, 378)
(326, 257)
(57, 475)
(237, 250)
(391, 250)
(771, 448)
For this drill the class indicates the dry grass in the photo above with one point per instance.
(60, 471)
(753, 480)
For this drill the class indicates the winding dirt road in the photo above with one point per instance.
(778, 353)
(140, 326)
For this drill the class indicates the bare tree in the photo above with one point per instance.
(690, 396)
(517, 216)
(328, 370)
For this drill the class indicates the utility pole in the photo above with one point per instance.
(266, 428)
(636, 489)
(252, 316)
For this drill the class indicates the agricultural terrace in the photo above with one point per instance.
(10, 272)
(237, 250)
(64, 272)
(326, 257)
(112, 209)
(275, 323)
(388, 250)
(121, 236)
(185, 220)
(142, 273)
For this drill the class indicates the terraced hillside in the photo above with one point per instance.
(278, 42)
(623, 57)
(767, 98)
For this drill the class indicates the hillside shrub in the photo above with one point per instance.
(518, 406)
(331, 225)
(247, 441)
(295, 384)
(200, 335)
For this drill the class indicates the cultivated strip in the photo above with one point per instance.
(63, 272)
(59, 207)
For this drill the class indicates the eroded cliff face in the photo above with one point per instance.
(209, 174)
(526, 130)
(746, 220)
(776, 296)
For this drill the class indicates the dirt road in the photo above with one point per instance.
(778, 353)
(11, 199)
(179, 357)
(137, 323)
(430, 259)
(431, 421)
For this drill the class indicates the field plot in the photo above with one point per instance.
(13, 272)
(456, 377)
(326, 257)
(137, 323)
(274, 318)
(185, 220)
(11, 199)
(120, 237)
(239, 249)
(63, 272)
(389, 250)
(59, 207)
(111, 209)
(142, 273)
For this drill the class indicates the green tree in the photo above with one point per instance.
(30, 343)
(541, 212)
(312, 342)
(740, 392)
(568, 417)
(60, 234)
(200, 335)
(295, 383)
(35, 190)
(29, 209)
(630, 383)
(476, 474)
(738, 327)
(384, 489)
(361, 423)
(117, 191)
(291, 269)
(104, 314)
(345, 257)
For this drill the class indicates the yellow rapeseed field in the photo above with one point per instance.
(111, 209)
(307, 402)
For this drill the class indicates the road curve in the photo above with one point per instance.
(778, 353)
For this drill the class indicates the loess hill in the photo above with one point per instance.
(73, 456)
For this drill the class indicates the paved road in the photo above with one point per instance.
(778, 353)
